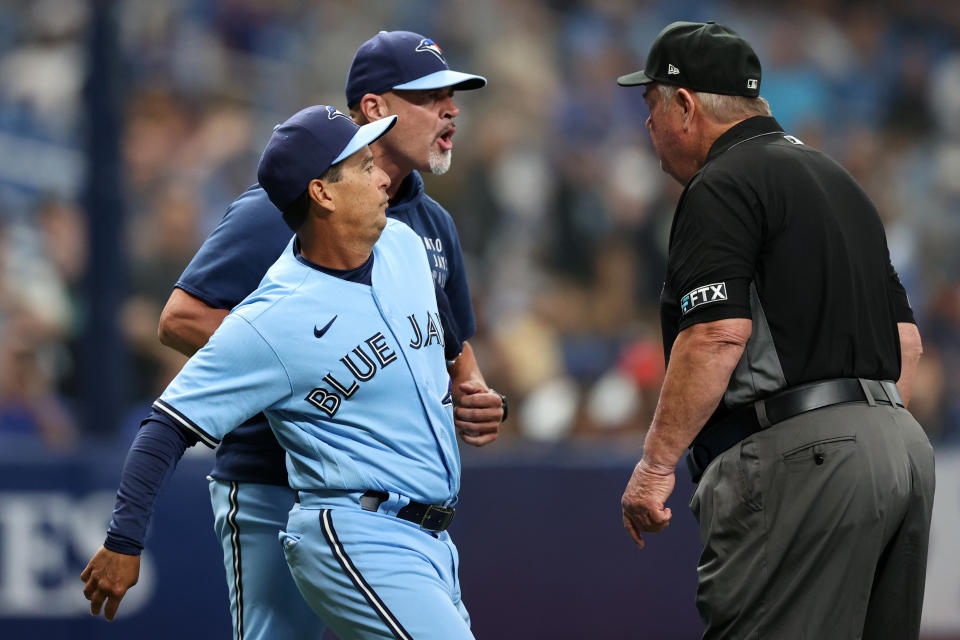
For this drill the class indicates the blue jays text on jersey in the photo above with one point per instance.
(364, 360)
(249, 238)
(384, 347)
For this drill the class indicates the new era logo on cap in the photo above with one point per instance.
(672, 70)
(430, 46)
(752, 83)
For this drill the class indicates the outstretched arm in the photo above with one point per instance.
(115, 567)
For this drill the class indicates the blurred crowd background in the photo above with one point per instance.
(123, 141)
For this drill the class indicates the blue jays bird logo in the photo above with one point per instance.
(333, 113)
(429, 45)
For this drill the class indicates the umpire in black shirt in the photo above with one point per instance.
(785, 327)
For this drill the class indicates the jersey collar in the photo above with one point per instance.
(360, 275)
(743, 131)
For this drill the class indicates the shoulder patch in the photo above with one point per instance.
(716, 292)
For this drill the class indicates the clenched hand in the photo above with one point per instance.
(477, 413)
(643, 500)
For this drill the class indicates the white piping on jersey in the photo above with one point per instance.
(170, 412)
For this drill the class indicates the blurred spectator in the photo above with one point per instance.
(943, 345)
(162, 241)
(30, 410)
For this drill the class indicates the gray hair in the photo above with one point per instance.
(719, 107)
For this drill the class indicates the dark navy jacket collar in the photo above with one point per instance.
(409, 193)
(743, 131)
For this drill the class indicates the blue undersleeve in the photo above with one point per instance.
(153, 456)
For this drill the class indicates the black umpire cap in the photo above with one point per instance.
(700, 56)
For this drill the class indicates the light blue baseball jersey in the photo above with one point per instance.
(352, 377)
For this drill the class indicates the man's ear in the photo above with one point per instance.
(319, 192)
(688, 105)
(374, 107)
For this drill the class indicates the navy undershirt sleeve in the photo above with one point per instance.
(153, 456)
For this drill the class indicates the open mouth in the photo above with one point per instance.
(445, 140)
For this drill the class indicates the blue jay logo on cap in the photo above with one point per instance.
(429, 45)
(332, 113)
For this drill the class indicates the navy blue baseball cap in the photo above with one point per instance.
(402, 60)
(306, 145)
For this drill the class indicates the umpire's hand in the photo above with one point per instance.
(108, 576)
(643, 500)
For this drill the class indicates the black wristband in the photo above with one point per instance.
(503, 405)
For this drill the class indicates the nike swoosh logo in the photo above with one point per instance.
(319, 332)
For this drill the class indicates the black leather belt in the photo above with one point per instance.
(428, 516)
(749, 419)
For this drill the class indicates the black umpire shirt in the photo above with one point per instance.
(775, 231)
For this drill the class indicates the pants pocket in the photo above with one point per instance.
(749, 469)
(289, 542)
(817, 452)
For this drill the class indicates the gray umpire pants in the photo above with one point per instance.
(817, 528)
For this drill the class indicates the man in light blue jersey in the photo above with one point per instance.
(393, 73)
(344, 347)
